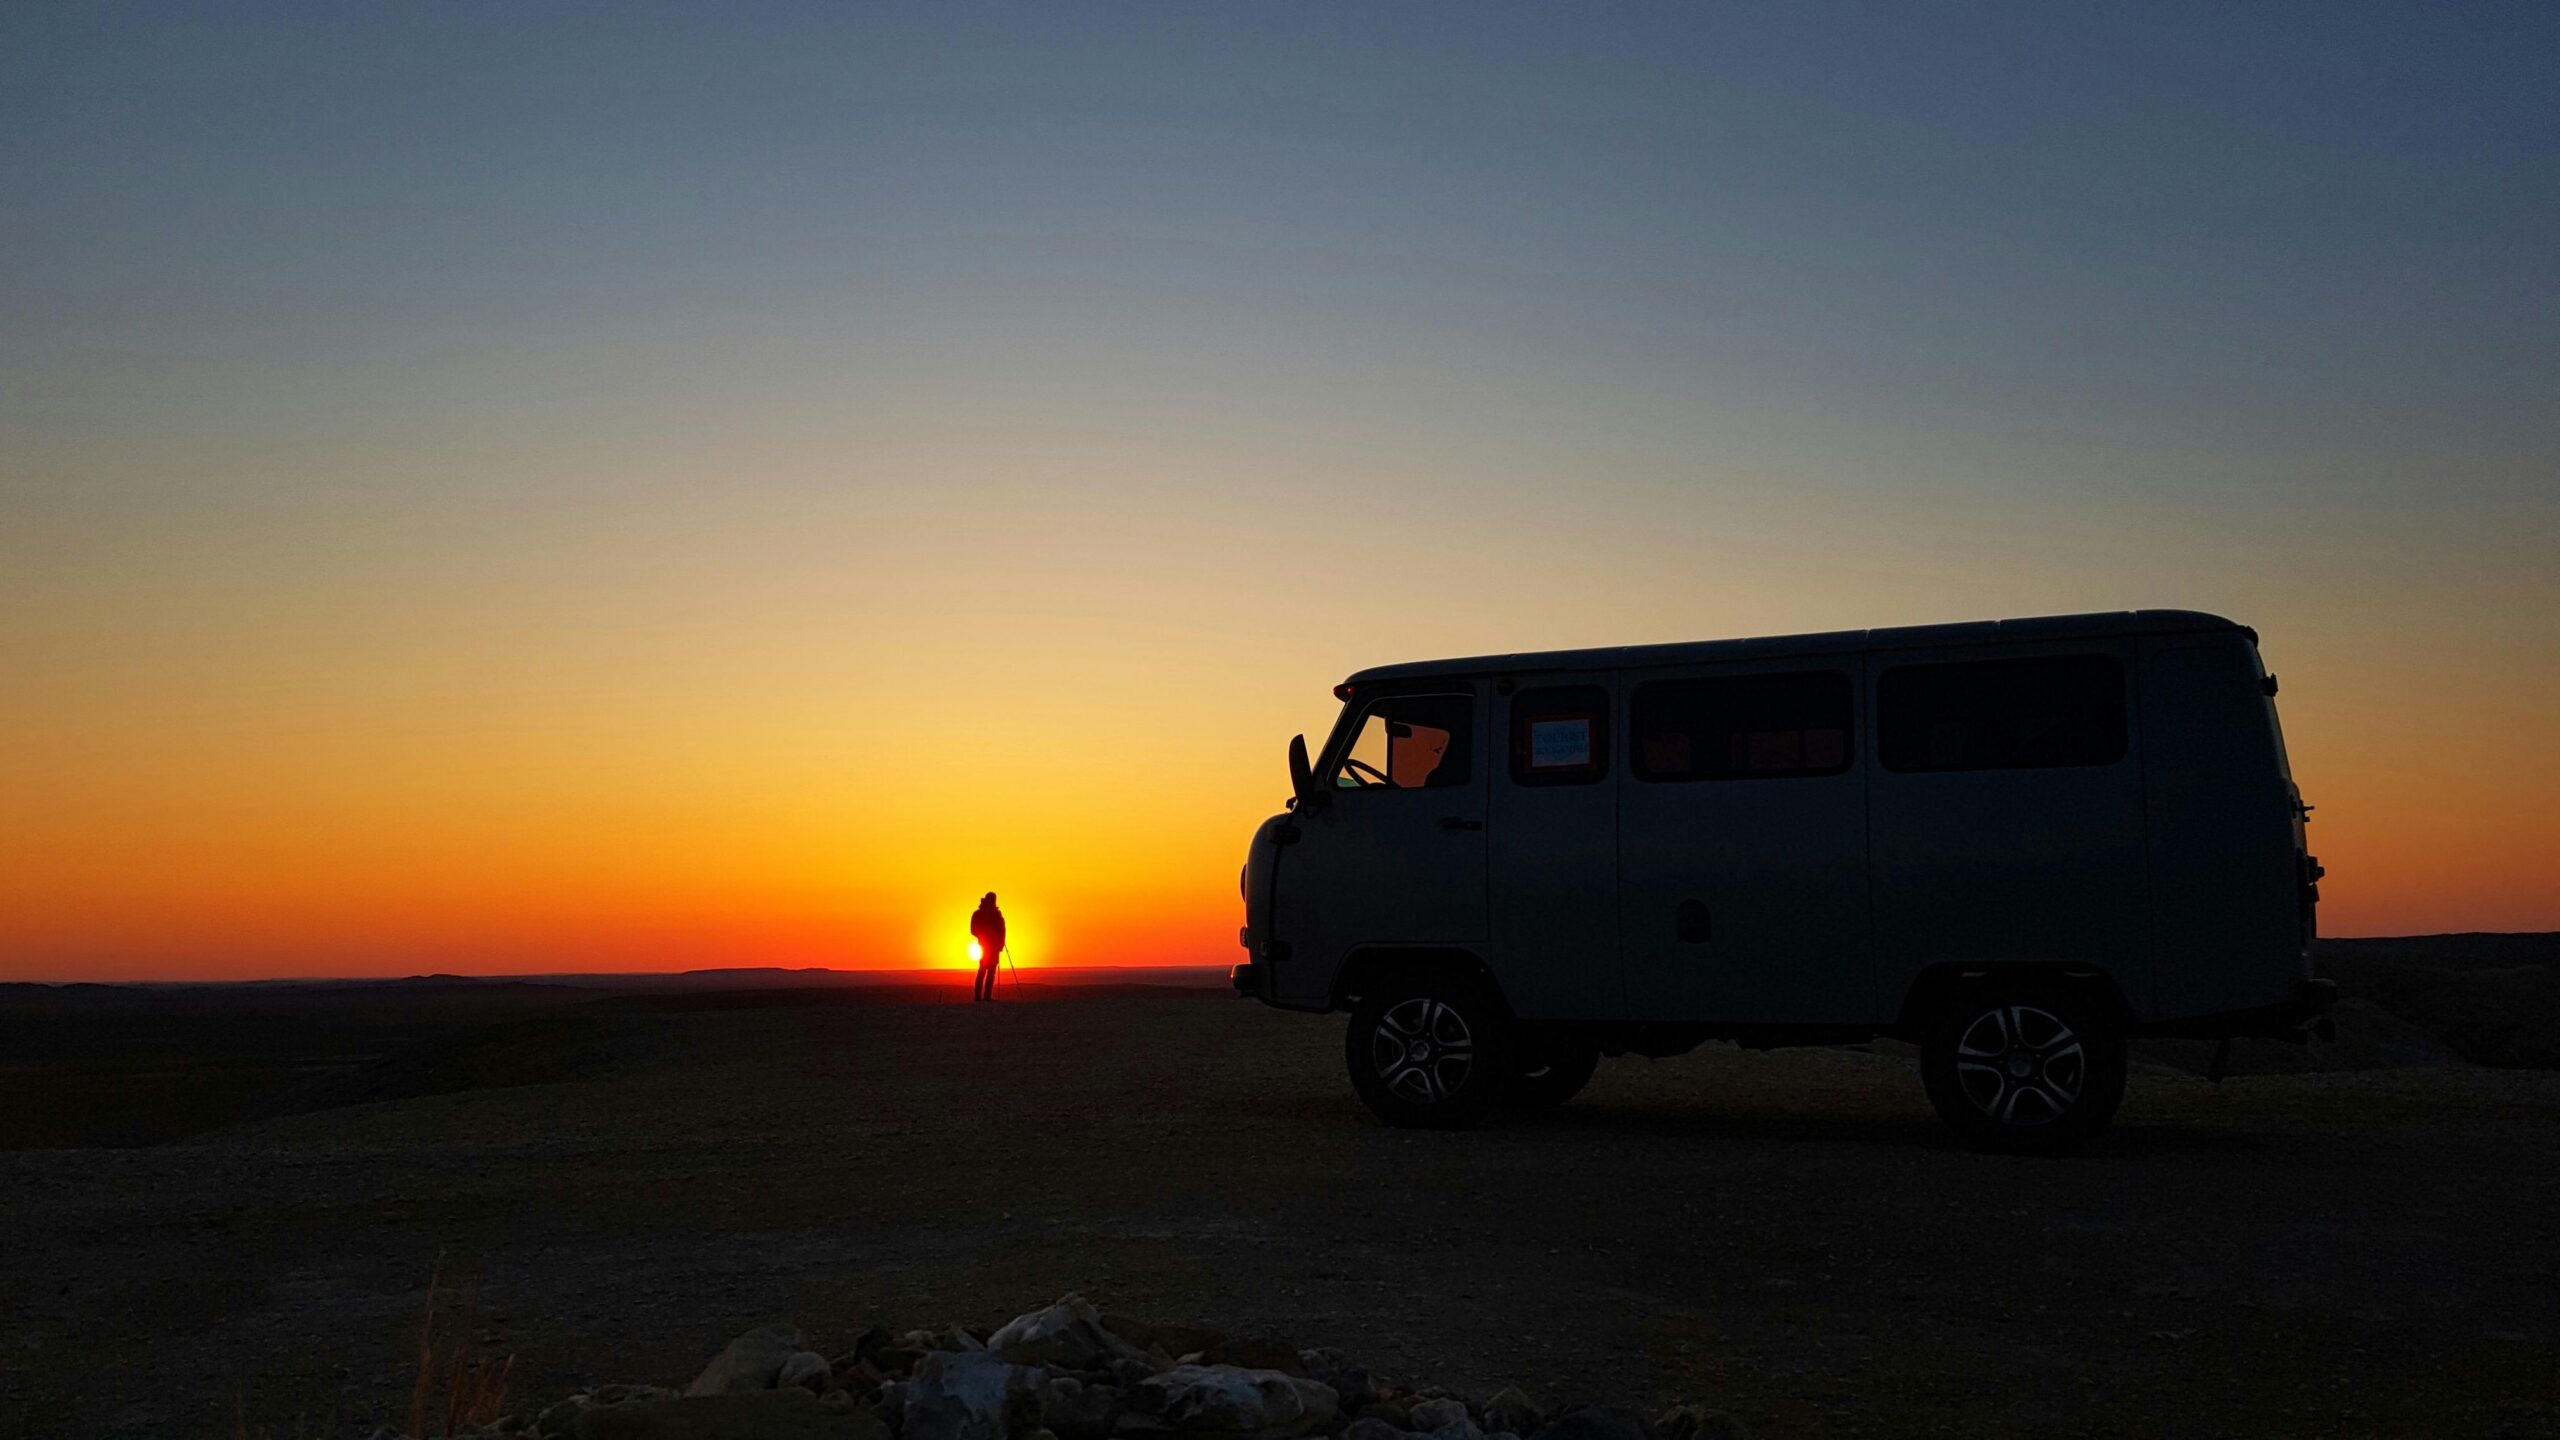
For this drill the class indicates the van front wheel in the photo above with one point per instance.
(2023, 1070)
(1429, 1051)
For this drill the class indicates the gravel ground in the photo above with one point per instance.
(1784, 1235)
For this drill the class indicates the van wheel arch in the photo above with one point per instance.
(1366, 969)
(1942, 985)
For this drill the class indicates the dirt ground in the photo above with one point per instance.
(1784, 1235)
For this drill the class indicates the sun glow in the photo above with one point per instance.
(977, 952)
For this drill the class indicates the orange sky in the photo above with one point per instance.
(734, 498)
(818, 753)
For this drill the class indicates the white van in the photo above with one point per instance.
(2018, 843)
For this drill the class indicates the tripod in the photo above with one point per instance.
(1012, 969)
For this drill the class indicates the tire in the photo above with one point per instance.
(1429, 1050)
(1552, 1071)
(2024, 1069)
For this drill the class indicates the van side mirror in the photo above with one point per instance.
(1302, 775)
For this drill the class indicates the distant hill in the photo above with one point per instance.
(2493, 999)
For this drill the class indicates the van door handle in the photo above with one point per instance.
(1459, 822)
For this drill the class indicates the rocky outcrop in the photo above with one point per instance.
(1067, 1371)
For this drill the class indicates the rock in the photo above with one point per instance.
(1076, 1410)
(1695, 1422)
(851, 1372)
(792, 1414)
(958, 1338)
(807, 1369)
(1069, 1334)
(1226, 1400)
(1437, 1415)
(1432, 1417)
(971, 1396)
(872, 1341)
(1594, 1423)
(1389, 1412)
(1166, 1341)
(1353, 1386)
(1510, 1408)
(1253, 1354)
(751, 1362)
(1127, 1373)
(562, 1419)
(1369, 1427)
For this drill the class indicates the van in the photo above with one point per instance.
(2018, 844)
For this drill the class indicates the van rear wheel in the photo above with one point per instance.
(1429, 1051)
(2024, 1070)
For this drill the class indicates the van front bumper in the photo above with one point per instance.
(1246, 977)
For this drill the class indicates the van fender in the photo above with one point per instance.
(1939, 986)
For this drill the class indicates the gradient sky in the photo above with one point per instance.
(517, 487)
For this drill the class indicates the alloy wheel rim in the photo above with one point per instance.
(2021, 1065)
(1422, 1050)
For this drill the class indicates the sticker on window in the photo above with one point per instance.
(1559, 744)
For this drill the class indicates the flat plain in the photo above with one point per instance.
(630, 1181)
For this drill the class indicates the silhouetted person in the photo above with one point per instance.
(986, 926)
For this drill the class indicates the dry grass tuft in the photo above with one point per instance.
(473, 1383)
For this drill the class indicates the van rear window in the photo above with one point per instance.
(1742, 727)
(2001, 714)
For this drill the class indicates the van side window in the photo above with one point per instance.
(1560, 735)
(2002, 714)
(1742, 727)
(1410, 742)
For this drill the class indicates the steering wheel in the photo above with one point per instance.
(1358, 768)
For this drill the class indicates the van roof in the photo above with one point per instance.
(1899, 637)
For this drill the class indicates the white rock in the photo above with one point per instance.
(971, 1396)
(751, 1362)
(1228, 1400)
(806, 1368)
(1069, 1334)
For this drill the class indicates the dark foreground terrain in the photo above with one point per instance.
(1786, 1236)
